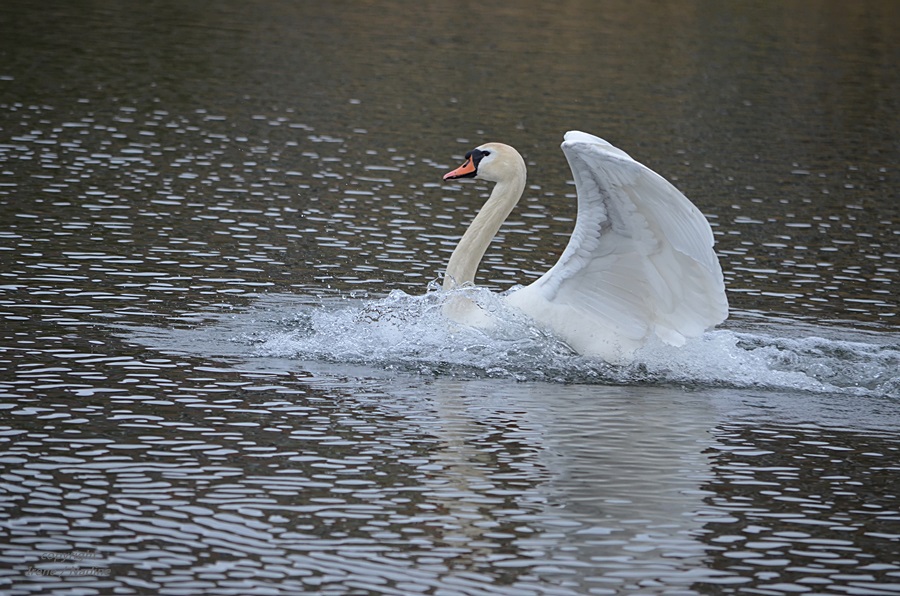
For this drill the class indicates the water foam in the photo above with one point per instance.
(406, 332)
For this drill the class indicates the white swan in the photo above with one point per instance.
(639, 264)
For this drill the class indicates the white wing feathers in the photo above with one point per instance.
(639, 263)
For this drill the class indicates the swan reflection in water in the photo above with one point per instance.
(538, 480)
(639, 265)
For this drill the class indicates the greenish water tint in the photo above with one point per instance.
(220, 366)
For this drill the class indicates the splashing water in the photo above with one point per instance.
(412, 333)
(406, 332)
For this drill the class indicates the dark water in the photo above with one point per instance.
(222, 372)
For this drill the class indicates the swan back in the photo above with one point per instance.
(639, 264)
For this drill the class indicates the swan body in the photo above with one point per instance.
(639, 264)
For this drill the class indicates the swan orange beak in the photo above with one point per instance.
(467, 170)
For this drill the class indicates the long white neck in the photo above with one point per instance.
(471, 248)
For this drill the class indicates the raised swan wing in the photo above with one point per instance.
(639, 263)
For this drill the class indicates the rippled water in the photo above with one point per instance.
(223, 370)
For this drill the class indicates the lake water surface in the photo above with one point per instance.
(223, 368)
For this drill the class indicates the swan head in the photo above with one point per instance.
(494, 162)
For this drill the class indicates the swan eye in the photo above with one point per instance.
(479, 154)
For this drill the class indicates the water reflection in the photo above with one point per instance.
(117, 200)
(469, 483)
(800, 509)
(384, 481)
